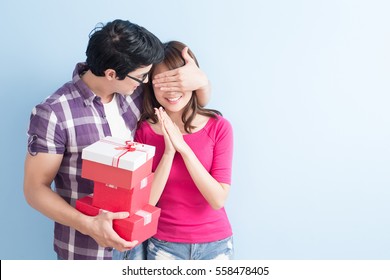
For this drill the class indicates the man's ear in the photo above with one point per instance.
(110, 74)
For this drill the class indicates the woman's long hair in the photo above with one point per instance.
(172, 60)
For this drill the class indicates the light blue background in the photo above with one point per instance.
(304, 83)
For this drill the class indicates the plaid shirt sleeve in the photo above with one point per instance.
(45, 133)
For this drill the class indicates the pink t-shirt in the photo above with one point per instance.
(186, 216)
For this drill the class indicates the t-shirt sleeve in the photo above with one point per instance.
(221, 168)
(45, 133)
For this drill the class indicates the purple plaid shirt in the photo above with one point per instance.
(65, 123)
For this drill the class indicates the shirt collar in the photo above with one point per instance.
(85, 92)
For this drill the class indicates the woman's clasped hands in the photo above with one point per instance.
(173, 137)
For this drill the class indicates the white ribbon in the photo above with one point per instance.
(146, 215)
(144, 183)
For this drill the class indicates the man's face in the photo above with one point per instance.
(133, 79)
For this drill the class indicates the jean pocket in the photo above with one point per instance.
(225, 240)
(154, 239)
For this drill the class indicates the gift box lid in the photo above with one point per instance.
(119, 153)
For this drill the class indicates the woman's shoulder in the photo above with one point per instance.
(218, 126)
(219, 122)
(148, 126)
(142, 125)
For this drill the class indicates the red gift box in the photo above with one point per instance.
(85, 206)
(116, 199)
(139, 226)
(118, 162)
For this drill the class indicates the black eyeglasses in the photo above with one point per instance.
(144, 76)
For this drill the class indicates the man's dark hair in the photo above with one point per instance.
(122, 46)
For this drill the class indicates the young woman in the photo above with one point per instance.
(192, 165)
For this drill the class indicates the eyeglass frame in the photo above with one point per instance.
(138, 80)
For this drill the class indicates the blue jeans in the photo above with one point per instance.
(164, 250)
(137, 253)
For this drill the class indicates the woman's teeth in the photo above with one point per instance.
(173, 99)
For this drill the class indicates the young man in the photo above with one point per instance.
(104, 98)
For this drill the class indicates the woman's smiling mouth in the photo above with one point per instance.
(173, 100)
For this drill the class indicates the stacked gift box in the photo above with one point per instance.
(122, 175)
